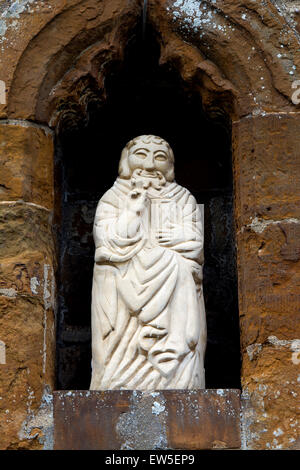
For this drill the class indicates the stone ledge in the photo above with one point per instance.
(134, 420)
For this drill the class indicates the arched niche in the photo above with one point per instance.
(143, 97)
(245, 55)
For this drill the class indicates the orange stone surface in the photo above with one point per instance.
(26, 164)
(267, 204)
(126, 419)
(27, 290)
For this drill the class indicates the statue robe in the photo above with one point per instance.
(148, 315)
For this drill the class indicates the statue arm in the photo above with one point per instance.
(186, 237)
(193, 247)
(117, 229)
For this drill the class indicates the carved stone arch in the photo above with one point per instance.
(76, 43)
(244, 53)
(245, 49)
(243, 57)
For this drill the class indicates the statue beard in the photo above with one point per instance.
(146, 179)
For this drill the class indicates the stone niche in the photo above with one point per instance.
(218, 84)
(144, 97)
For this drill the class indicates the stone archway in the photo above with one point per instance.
(243, 59)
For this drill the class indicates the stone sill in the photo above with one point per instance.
(134, 420)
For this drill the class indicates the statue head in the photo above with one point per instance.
(149, 155)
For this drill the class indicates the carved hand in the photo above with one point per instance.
(129, 222)
(172, 235)
(137, 200)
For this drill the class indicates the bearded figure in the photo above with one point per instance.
(148, 314)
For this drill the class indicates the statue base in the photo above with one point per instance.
(134, 420)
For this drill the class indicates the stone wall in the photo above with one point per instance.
(268, 229)
(27, 283)
(243, 59)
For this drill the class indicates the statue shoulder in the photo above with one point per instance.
(116, 192)
(181, 192)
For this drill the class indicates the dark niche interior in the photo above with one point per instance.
(144, 98)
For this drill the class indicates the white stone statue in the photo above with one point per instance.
(148, 314)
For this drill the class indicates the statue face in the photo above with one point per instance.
(150, 158)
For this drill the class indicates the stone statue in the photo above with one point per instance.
(148, 314)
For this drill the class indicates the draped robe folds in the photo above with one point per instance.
(148, 315)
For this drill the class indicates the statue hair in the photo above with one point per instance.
(124, 170)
